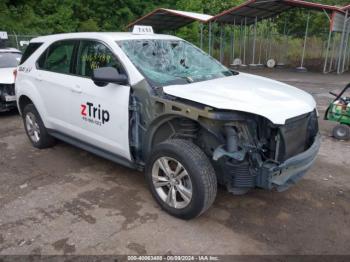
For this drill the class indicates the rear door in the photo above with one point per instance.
(55, 82)
(100, 114)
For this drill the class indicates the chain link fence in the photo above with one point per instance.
(284, 49)
(19, 41)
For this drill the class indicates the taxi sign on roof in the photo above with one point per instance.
(143, 30)
(3, 35)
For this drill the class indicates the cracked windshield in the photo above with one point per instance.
(169, 62)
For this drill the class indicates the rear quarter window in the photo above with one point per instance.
(31, 48)
(58, 57)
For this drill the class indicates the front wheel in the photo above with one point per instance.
(341, 132)
(181, 178)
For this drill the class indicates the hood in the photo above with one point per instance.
(271, 99)
(6, 76)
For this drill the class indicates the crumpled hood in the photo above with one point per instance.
(248, 93)
(6, 76)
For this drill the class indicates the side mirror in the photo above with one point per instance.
(104, 75)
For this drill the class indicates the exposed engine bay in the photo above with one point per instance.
(246, 150)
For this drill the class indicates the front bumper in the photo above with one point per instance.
(288, 173)
(6, 106)
(7, 103)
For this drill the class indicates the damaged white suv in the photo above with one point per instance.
(9, 60)
(157, 103)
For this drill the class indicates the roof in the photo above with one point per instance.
(347, 7)
(102, 35)
(195, 16)
(263, 9)
(9, 50)
(168, 19)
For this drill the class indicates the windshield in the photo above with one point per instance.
(8, 60)
(168, 62)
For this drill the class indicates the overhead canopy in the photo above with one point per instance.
(263, 9)
(345, 8)
(167, 19)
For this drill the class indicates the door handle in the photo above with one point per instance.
(76, 89)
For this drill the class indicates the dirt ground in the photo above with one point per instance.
(66, 201)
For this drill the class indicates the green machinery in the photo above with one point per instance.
(339, 111)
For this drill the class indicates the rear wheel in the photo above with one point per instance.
(181, 178)
(341, 132)
(35, 129)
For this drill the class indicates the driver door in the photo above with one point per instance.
(100, 114)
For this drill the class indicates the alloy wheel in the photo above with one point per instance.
(172, 182)
(32, 127)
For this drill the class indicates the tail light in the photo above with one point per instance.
(15, 74)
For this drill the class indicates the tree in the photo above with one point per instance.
(89, 25)
(57, 16)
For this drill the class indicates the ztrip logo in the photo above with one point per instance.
(94, 114)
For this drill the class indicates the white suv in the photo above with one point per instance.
(157, 103)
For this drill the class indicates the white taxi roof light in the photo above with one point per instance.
(3, 35)
(143, 30)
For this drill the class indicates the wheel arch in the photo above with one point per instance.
(155, 125)
(25, 99)
(22, 102)
(161, 126)
(27, 92)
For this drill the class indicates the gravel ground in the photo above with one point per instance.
(66, 201)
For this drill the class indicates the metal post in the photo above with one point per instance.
(233, 39)
(244, 42)
(210, 40)
(328, 42)
(333, 54)
(342, 43)
(213, 41)
(240, 40)
(269, 39)
(348, 59)
(221, 42)
(302, 68)
(16, 40)
(201, 43)
(346, 32)
(271, 36)
(260, 49)
(231, 46)
(283, 55)
(254, 43)
(327, 51)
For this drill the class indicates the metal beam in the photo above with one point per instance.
(341, 47)
(302, 68)
(210, 40)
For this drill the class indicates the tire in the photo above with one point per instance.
(35, 129)
(341, 132)
(195, 174)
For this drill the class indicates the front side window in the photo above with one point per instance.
(8, 59)
(166, 62)
(58, 57)
(93, 55)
